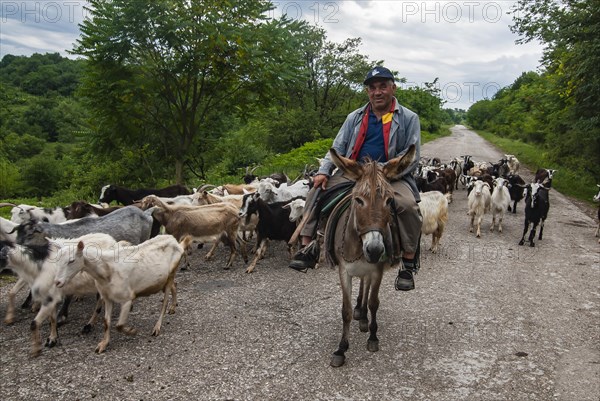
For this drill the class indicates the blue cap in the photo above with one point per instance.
(379, 72)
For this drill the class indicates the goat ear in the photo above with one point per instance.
(80, 246)
(350, 167)
(396, 166)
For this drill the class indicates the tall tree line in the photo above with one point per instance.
(179, 91)
(556, 108)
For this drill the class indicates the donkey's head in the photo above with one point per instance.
(372, 197)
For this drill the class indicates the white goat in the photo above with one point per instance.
(513, 164)
(271, 194)
(479, 202)
(126, 273)
(37, 266)
(24, 213)
(500, 202)
(7, 230)
(296, 209)
(434, 209)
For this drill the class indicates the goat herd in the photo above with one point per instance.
(119, 253)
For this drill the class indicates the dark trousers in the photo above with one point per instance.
(409, 215)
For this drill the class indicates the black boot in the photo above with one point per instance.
(305, 258)
(405, 280)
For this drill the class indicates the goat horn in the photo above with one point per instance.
(205, 186)
(7, 204)
(252, 171)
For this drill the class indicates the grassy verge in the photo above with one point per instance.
(428, 136)
(577, 184)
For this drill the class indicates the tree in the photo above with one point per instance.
(570, 31)
(172, 73)
(316, 106)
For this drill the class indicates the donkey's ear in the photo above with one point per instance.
(396, 166)
(350, 167)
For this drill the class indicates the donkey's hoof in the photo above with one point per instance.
(51, 342)
(373, 345)
(337, 360)
(356, 314)
(363, 326)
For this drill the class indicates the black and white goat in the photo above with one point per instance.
(36, 265)
(537, 204)
(544, 176)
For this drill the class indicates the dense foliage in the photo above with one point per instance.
(557, 108)
(163, 95)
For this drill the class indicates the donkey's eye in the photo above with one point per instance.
(71, 261)
(359, 201)
(388, 201)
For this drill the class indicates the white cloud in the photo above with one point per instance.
(466, 44)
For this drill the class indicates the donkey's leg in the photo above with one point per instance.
(357, 313)
(338, 358)
(373, 342)
(363, 321)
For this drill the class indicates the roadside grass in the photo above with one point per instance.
(577, 184)
(292, 163)
(442, 132)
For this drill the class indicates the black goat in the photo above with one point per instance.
(516, 186)
(537, 204)
(273, 223)
(127, 196)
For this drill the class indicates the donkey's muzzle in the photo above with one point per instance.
(373, 246)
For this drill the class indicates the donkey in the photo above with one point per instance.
(359, 243)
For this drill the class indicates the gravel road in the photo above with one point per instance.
(489, 320)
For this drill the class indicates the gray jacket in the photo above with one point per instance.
(405, 131)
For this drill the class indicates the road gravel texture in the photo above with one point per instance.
(489, 320)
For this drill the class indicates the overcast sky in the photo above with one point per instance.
(466, 44)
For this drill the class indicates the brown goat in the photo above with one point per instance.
(207, 223)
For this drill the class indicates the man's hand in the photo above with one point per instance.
(320, 180)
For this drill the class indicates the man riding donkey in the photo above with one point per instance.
(379, 131)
